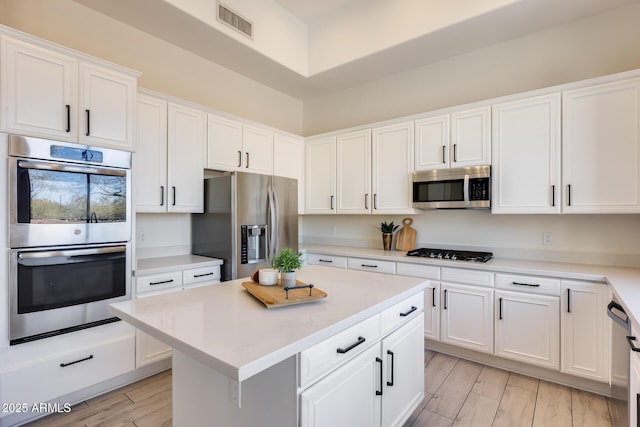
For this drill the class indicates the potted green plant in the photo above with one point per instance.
(387, 234)
(287, 262)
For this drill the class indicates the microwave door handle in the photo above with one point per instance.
(466, 190)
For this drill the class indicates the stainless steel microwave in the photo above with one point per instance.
(459, 188)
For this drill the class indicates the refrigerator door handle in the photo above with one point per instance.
(275, 221)
(272, 223)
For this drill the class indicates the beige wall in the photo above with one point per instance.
(165, 67)
(590, 47)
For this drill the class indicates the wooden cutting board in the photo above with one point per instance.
(406, 238)
(275, 296)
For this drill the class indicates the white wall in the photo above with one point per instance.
(162, 235)
(597, 45)
(165, 67)
(597, 239)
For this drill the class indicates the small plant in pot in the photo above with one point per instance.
(387, 234)
(287, 262)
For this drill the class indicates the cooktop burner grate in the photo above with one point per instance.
(469, 256)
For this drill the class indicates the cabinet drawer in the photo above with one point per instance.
(530, 284)
(158, 282)
(402, 312)
(469, 277)
(417, 270)
(202, 274)
(328, 260)
(372, 265)
(58, 376)
(323, 357)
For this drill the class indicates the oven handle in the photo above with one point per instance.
(66, 168)
(619, 320)
(71, 252)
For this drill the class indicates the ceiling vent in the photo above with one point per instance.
(235, 21)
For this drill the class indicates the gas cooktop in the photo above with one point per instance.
(449, 254)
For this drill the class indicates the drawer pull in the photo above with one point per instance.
(532, 285)
(203, 274)
(64, 365)
(325, 260)
(390, 353)
(352, 346)
(379, 392)
(160, 283)
(631, 339)
(369, 265)
(413, 308)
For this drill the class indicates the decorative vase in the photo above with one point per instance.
(386, 241)
(288, 279)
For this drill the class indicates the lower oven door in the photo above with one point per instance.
(60, 289)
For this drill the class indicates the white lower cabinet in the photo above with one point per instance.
(381, 386)
(634, 381)
(431, 295)
(527, 328)
(467, 316)
(584, 331)
(327, 260)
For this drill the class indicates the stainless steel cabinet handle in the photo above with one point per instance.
(366, 201)
(88, 122)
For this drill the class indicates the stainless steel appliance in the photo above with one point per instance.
(66, 194)
(453, 255)
(460, 188)
(247, 219)
(54, 290)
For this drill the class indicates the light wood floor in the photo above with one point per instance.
(457, 393)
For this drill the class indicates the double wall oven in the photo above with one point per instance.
(69, 233)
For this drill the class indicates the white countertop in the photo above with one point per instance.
(172, 263)
(624, 281)
(226, 328)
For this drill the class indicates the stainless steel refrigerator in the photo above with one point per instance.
(248, 218)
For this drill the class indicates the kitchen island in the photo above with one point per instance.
(235, 362)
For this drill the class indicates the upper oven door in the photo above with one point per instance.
(55, 203)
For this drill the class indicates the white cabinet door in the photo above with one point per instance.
(432, 143)
(467, 316)
(403, 356)
(258, 150)
(526, 156)
(288, 157)
(106, 107)
(634, 381)
(150, 159)
(601, 148)
(392, 150)
(471, 137)
(354, 172)
(320, 176)
(186, 141)
(346, 397)
(527, 328)
(584, 332)
(39, 91)
(224, 143)
(432, 311)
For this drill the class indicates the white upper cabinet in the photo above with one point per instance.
(454, 140)
(601, 148)
(526, 156)
(234, 146)
(288, 160)
(432, 143)
(354, 172)
(107, 102)
(258, 150)
(186, 136)
(150, 159)
(320, 176)
(52, 94)
(392, 150)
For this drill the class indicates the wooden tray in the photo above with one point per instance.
(274, 296)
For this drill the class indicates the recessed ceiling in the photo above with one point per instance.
(500, 20)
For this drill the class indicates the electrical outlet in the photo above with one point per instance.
(547, 238)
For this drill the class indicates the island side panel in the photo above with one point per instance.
(202, 395)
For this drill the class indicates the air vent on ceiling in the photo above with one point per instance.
(234, 20)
